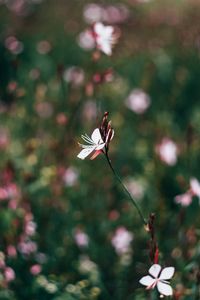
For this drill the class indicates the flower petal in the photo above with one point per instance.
(164, 289)
(100, 146)
(96, 136)
(96, 153)
(155, 270)
(147, 280)
(85, 152)
(167, 273)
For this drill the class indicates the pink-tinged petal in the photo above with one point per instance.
(96, 136)
(96, 153)
(147, 281)
(155, 270)
(184, 199)
(164, 289)
(85, 152)
(167, 273)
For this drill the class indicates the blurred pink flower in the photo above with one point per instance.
(27, 247)
(74, 75)
(184, 199)
(92, 13)
(44, 109)
(30, 228)
(138, 101)
(81, 238)
(61, 119)
(35, 269)
(9, 191)
(70, 176)
(9, 274)
(115, 14)
(12, 204)
(121, 240)
(86, 40)
(14, 45)
(11, 251)
(167, 151)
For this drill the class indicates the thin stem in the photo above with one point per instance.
(125, 189)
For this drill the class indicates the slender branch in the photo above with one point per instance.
(125, 189)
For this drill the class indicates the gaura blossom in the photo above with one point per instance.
(159, 279)
(186, 198)
(95, 144)
(99, 140)
(104, 37)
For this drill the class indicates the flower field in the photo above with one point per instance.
(100, 150)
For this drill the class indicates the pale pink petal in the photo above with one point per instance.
(155, 270)
(164, 289)
(167, 273)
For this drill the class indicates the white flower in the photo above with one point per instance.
(104, 37)
(159, 278)
(138, 101)
(167, 151)
(121, 240)
(95, 144)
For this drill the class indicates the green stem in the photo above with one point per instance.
(125, 189)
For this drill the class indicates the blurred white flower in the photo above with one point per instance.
(9, 274)
(121, 240)
(138, 101)
(70, 176)
(136, 187)
(167, 151)
(159, 279)
(104, 37)
(14, 45)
